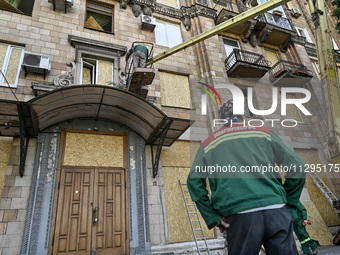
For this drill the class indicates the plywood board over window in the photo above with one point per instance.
(176, 166)
(175, 90)
(272, 56)
(10, 61)
(328, 213)
(94, 150)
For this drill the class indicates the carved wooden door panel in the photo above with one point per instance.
(90, 212)
(108, 233)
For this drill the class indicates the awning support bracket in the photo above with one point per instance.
(23, 142)
(156, 157)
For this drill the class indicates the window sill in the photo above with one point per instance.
(111, 33)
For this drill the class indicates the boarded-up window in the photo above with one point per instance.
(96, 72)
(175, 90)
(10, 61)
(176, 166)
(272, 56)
(99, 17)
(292, 110)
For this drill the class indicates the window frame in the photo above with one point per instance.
(95, 72)
(304, 30)
(166, 32)
(224, 45)
(21, 12)
(4, 66)
(104, 5)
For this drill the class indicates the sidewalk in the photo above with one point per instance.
(329, 250)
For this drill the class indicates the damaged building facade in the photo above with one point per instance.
(88, 167)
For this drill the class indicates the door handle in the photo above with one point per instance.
(94, 215)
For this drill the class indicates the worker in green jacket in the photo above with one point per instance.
(140, 55)
(248, 200)
(299, 216)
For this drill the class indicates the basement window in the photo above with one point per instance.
(19, 6)
(11, 58)
(99, 17)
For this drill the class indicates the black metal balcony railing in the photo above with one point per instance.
(246, 57)
(277, 20)
(239, 8)
(293, 69)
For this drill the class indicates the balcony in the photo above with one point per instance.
(227, 10)
(274, 30)
(268, 28)
(289, 74)
(246, 64)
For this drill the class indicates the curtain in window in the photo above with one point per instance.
(14, 3)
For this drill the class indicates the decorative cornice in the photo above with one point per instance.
(168, 11)
(107, 48)
(145, 3)
(206, 11)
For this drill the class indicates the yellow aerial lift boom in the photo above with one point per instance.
(326, 56)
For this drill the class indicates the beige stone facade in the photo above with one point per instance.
(95, 36)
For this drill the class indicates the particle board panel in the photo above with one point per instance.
(178, 223)
(326, 210)
(105, 72)
(5, 152)
(92, 23)
(177, 154)
(13, 64)
(174, 90)
(318, 229)
(94, 150)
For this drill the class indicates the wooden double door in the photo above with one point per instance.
(90, 212)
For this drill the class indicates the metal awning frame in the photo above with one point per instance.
(29, 126)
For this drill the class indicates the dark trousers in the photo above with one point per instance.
(273, 228)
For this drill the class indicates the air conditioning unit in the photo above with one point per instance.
(69, 3)
(148, 22)
(295, 12)
(36, 64)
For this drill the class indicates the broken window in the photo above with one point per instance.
(99, 17)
